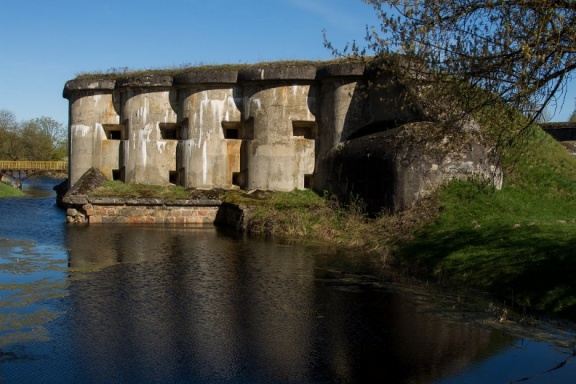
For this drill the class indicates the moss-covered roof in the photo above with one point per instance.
(119, 73)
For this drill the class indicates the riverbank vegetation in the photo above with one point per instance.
(517, 243)
(9, 191)
(39, 139)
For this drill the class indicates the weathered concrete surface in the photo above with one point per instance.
(278, 72)
(147, 103)
(89, 181)
(390, 170)
(207, 157)
(216, 76)
(280, 135)
(341, 112)
(92, 105)
(145, 81)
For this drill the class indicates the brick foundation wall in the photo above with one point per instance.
(102, 214)
(143, 211)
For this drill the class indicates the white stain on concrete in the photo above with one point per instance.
(143, 111)
(161, 146)
(141, 138)
(204, 164)
(80, 130)
(100, 134)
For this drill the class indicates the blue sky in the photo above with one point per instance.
(45, 43)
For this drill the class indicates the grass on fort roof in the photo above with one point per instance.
(120, 72)
(277, 200)
(120, 189)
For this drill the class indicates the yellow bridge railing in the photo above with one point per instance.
(33, 165)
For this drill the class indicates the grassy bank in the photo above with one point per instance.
(518, 243)
(8, 191)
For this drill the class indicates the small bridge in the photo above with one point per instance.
(19, 171)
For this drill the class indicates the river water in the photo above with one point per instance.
(145, 304)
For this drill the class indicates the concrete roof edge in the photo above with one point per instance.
(84, 85)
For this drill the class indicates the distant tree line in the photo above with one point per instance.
(38, 139)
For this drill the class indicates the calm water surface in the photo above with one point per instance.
(141, 304)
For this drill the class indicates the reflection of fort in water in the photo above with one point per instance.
(221, 305)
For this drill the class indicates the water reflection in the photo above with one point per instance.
(163, 304)
(193, 303)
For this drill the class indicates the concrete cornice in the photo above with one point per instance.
(215, 76)
(222, 76)
(84, 85)
(345, 69)
(275, 73)
(145, 81)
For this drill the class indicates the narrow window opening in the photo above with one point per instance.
(114, 131)
(231, 129)
(308, 181)
(168, 131)
(231, 133)
(173, 177)
(236, 178)
(115, 135)
(305, 129)
(116, 174)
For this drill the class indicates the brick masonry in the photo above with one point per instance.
(144, 211)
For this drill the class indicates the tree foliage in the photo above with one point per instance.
(522, 52)
(41, 138)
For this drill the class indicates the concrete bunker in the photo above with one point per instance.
(272, 127)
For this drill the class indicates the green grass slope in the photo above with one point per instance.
(519, 242)
(8, 191)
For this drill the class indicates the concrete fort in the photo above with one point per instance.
(275, 127)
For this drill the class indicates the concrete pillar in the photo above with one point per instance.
(92, 106)
(341, 113)
(279, 127)
(149, 116)
(209, 114)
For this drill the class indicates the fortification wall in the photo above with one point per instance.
(258, 128)
(279, 127)
(210, 124)
(92, 106)
(142, 211)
